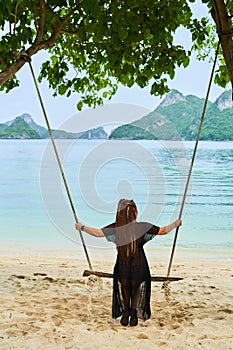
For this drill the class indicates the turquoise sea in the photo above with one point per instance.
(34, 208)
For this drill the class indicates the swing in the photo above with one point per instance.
(165, 279)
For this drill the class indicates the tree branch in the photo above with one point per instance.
(40, 30)
(71, 33)
(10, 71)
(35, 20)
(78, 7)
(57, 30)
(15, 16)
(3, 63)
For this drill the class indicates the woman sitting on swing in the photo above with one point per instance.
(131, 278)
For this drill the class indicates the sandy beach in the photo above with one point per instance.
(46, 303)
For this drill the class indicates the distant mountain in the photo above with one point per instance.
(24, 127)
(178, 117)
(43, 133)
(18, 129)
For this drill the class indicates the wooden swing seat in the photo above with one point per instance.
(87, 273)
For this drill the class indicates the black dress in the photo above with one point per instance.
(133, 274)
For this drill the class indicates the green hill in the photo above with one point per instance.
(19, 129)
(219, 119)
(178, 117)
(24, 127)
(3, 127)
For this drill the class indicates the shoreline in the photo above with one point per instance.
(74, 250)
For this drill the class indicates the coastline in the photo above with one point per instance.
(45, 302)
(108, 253)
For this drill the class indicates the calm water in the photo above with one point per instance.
(34, 206)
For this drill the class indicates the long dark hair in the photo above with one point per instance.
(125, 228)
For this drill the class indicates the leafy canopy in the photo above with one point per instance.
(94, 45)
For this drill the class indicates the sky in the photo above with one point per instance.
(191, 80)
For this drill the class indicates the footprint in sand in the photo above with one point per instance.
(18, 276)
(56, 320)
(142, 336)
(227, 311)
(50, 279)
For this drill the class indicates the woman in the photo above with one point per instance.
(131, 278)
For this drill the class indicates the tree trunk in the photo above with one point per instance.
(224, 28)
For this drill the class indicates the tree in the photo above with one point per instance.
(94, 45)
(225, 32)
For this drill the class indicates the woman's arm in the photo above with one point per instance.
(166, 229)
(90, 230)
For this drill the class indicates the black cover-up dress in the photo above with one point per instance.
(133, 274)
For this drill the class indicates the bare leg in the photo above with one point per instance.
(125, 290)
(135, 295)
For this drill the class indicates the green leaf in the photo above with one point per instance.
(62, 89)
(186, 61)
(80, 105)
(92, 7)
(54, 60)
(123, 33)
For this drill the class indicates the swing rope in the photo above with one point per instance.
(28, 59)
(192, 161)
